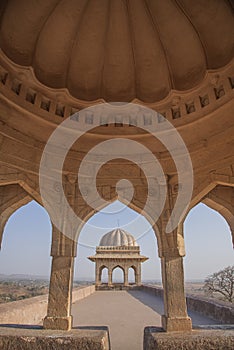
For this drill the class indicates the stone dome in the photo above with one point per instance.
(118, 50)
(117, 238)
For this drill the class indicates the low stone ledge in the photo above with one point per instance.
(214, 309)
(211, 308)
(33, 310)
(96, 338)
(199, 339)
(116, 287)
(157, 291)
(82, 292)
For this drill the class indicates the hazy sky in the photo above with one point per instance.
(27, 237)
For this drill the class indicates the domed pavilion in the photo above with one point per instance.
(118, 248)
(58, 58)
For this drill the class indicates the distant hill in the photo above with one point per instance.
(17, 277)
(23, 277)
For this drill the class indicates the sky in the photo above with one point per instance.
(27, 239)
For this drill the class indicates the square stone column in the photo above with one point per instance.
(60, 294)
(97, 274)
(126, 276)
(63, 251)
(109, 277)
(138, 275)
(175, 309)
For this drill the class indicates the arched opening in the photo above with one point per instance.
(118, 275)
(102, 222)
(132, 275)
(208, 246)
(25, 253)
(104, 274)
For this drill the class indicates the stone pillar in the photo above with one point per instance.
(138, 275)
(171, 252)
(98, 273)
(126, 276)
(60, 294)
(61, 280)
(109, 277)
(175, 316)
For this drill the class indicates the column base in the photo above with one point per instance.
(176, 324)
(58, 323)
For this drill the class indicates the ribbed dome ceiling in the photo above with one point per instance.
(117, 238)
(118, 49)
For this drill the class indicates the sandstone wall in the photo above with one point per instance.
(33, 310)
(210, 308)
(13, 338)
(216, 339)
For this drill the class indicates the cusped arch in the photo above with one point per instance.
(218, 196)
(100, 271)
(118, 266)
(134, 269)
(12, 197)
(86, 213)
(221, 199)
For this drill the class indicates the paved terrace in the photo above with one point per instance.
(126, 313)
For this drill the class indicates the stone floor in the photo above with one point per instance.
(126, 313)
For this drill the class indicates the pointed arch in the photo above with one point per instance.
(115, 269)
(221, 199)
(12, 197)
(103, 274)
(87, 212)
(132, 274)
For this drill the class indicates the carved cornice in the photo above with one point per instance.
(19, 85)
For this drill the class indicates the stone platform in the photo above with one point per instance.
(219, 338)
(117, 286)
(35, 338)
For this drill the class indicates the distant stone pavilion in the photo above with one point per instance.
(117, 248)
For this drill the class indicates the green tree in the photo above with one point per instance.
(221, 282)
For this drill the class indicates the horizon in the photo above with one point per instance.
(81, 279)
(203, 229)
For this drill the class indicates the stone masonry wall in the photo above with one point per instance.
(32, 311)
(213, 309)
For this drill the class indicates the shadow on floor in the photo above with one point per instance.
(29, 326)
(215, 326)
(201, 320)
(152, 301)
(92, 328)
(20, 326)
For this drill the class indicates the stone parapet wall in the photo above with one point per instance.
(33, 310)
(153, 290)
(214, 309)
(216, 339)
(29, 311)
(37, 339)
(116, 287)
(81, 293)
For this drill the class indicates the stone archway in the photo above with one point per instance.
(115, 279)
(132, 279)
(12, 197)
(102, 276)
(221, 199)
